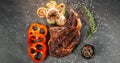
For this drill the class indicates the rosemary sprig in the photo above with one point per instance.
(91, 22)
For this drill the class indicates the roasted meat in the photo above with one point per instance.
(64, 39)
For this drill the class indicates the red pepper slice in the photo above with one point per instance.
(34, 38)
(37, 49)
(37, 52)
(37, 28)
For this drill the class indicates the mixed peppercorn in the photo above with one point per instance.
(87, 51)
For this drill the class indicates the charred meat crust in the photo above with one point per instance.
(63, 39)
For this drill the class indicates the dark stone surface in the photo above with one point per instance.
(16, 15)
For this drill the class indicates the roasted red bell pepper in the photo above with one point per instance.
(34, 38)
(37, 52)
(37, 28)
(37, 49)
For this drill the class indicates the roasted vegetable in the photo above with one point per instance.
(61, 8)
(37, 51)
(51, 4)
(54, 13)
(41, 12)
(52, 16)
(61, 21)
(34, 38)
(37, 28)
(37, 42)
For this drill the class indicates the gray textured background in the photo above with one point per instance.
(16, 15)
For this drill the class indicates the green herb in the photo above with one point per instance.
(50, 22)
(66, 14)
(91, 22)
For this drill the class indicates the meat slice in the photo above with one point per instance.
(64, 39)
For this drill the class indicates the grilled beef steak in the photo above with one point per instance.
(63, 39)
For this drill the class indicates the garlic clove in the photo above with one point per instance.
(53, 15)
(61, 8)
(51, 4)
(61, 21)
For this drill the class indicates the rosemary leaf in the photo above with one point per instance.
(91, 22)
